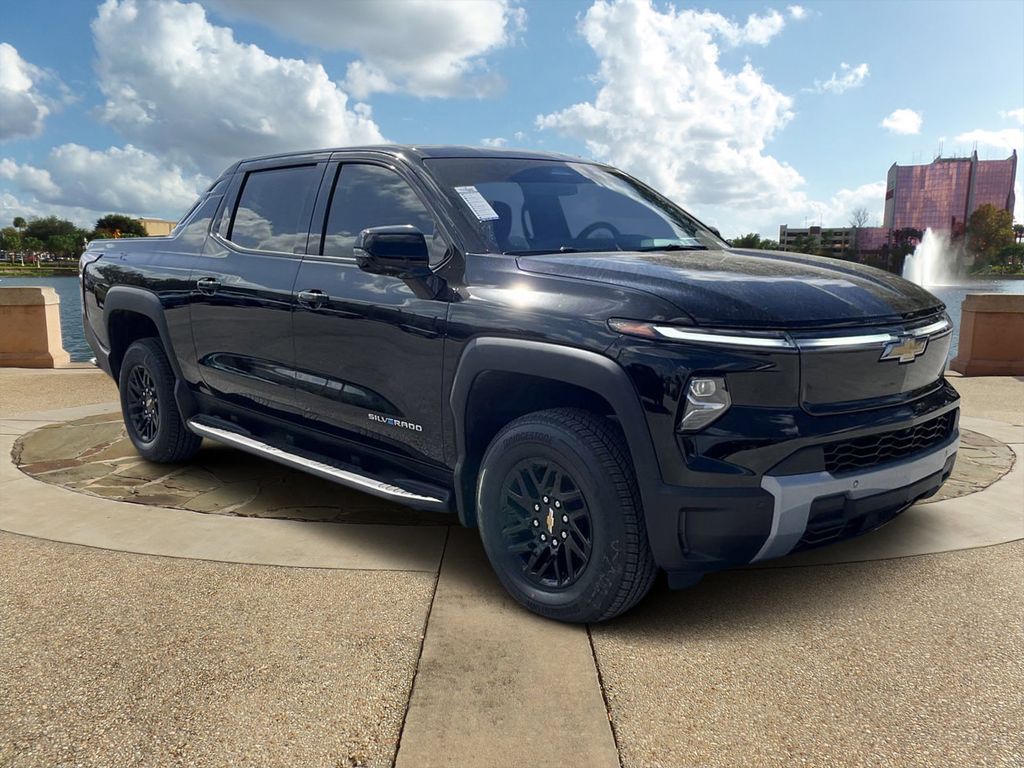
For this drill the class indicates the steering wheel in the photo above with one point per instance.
(590, 229)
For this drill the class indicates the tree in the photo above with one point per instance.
(1018, 232)
(66, 246)
(802, 244)
(10, 241)
(126, 226)
(45, 228)
(769, 245)
(31, 244)
(989, 229)
(1012, 255)
(19, 222)
(859, 218)
(824, 244)
(749, 240)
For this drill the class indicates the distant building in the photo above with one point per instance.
(157, 227)
(943, 194)
(838, 241)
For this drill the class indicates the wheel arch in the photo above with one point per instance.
(131, 313)
(571, 377)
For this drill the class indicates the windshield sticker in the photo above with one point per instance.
(477, 204)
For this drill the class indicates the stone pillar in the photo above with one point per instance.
(30, 328)
(991, 335)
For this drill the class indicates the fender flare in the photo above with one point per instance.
(580, 367)
(126, 298)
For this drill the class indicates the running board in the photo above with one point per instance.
(352, 479)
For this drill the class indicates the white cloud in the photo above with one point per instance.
(837, 210)
(1007, 139)
(186, 88)
(23, 107)
(799, 210)
(496, 142)
(669, 113)
(1014, 114)
(758, 29)
(519, 136)
(903, 121)
(797, 12)
(120, 179)
(425, 47)
(848, 77)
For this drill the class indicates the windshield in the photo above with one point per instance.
(522, 206)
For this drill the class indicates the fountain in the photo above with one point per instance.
(931, 263)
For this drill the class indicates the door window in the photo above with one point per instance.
(371, 196)
(274, 208)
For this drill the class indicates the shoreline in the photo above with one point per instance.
(38, 271)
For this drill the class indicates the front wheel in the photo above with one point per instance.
(150, 413)
(560, 516)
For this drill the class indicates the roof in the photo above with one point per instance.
(428, 151)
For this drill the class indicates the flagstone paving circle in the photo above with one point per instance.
(94, 456)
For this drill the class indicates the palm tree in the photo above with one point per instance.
(1018, 232)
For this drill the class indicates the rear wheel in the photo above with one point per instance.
(150, 412)
(560, 516)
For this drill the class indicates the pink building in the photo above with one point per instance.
(943, 194)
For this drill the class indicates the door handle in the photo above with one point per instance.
(312, 298)
(208, 285)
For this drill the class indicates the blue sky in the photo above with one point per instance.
(750, 114)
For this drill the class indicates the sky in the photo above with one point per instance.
(748, 114)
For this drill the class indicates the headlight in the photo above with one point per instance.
(737, 338)
(706, 400)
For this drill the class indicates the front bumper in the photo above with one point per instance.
(854, 500)
(698, 529)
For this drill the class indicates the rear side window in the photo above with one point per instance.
(371, 196)
(274, 208)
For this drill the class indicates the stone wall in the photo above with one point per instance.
(991, 335)
(30, 328)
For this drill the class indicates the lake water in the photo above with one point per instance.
(74, 341)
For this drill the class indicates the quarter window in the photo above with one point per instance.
(371, 196)
(274, 208)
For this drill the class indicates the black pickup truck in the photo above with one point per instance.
(541, 345)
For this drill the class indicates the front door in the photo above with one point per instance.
(242, 288)
(368, 348)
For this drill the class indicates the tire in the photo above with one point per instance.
(539, 549)
(150, 413)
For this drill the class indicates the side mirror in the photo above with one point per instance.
(400, 251)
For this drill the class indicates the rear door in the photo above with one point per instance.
(369, 347)
(241, 287)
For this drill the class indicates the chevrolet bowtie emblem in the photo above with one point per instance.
(905, 349)
(551, 520)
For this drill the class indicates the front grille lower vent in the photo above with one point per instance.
(872, 450)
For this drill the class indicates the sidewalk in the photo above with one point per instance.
(412, 652)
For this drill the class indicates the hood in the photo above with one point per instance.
(739, 288)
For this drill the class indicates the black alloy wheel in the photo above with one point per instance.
(546, 523)
(143, 403)
(146, 382)
(560, 516)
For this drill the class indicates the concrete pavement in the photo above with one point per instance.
(410, 652)
(109, 659)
